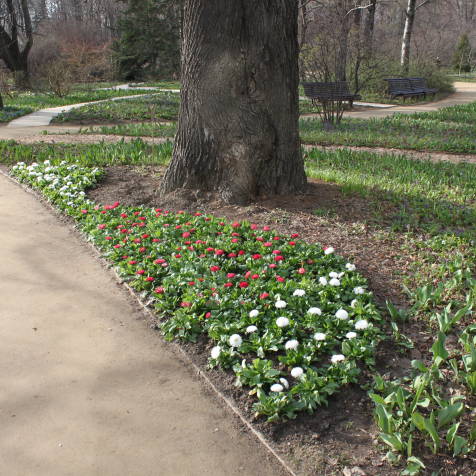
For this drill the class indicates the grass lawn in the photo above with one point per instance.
(146, 108)
(157, 84)
(8, 113)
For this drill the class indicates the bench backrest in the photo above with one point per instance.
(399, 84)
(418, 82)
(327, 90)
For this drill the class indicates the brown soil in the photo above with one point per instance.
(342, 436)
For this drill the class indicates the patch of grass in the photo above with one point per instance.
(425, 195)
(35, 100)
(136, 152)
(450, 130)
(143, 129)
(157, 84)
(146, 108)
(9, 113)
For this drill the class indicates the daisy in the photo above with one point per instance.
(314, 310)
(342, 314)
(280, 304)
(351, 335)
(323, 281)
(299, 292)
(334, 282)
(350, 267)
(277, 387)
(291, 344)
(282, 321)
(319, 336)
(297, 372)
(254, 313)
(216, 351)
(251, 329)
(359, 290)
(337, 358)
(235, 340)
(361, 325)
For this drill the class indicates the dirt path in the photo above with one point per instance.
(86, 389)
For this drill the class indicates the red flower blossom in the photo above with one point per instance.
(253, 226)
(185, 234)
(191, 283)
(266, 228)
(272, 266)
(133, 261)
(230, 275)
(140, 272)
(268, 244)
(301, 271)
(292, 243)
(208, 315)
(108, 238)
(155, 240)
(259, 238)
(101, 227)
(117, 246)
(219, 252)
(159, 261)
(214, 269)
(149, 279)
(255, 276)
(280, 279)
(124, 215)
(142, 249)
(178, 255)
(84, 212)
(185, 304)
(256, 256)
(228, 285)
(295, 235)
(241, 252)
(276, 238)
(145, 235)
(243, 284)
(276, 252)
(231, 255)
(235, 224)
(235, 240)
(278, 258)
(209, 250)
(263, 295)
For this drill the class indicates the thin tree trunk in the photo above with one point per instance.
(344, 20)
(407, 35)
(369, 27)
(238, 124)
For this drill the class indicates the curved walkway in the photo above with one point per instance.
(86, 389)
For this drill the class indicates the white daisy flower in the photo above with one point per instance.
(254, 313)
(337, 358)
(333, 274)
(361, 325)
(351, 335)
(359, 290)
(329, 250)
(284, 382)
(251, 329)
(216, 351)
(342, 314)
(334, 282)
(299, 292)
(350, 267)
(282, 321)
(323, 281)
(277, 387)
(291, 344)
(280, 304)
(314, 310)
(319, 336)
(235, 340)
(353, 303)
(297, 372)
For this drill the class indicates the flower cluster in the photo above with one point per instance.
(293, 320)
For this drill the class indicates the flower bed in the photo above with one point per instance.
(293, 321)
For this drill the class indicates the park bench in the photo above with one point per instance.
(330, 91)
(408, 87)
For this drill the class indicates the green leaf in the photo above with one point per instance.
(394, 441)
(418, 365)
(417, 461)
(450, 435)
(460, 445)
(419, 421)
(377, 398)
(440, 353)
(448, 414)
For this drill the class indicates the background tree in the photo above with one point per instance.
(238, 124)
(462, 60)
(149, 39)
(16, 38)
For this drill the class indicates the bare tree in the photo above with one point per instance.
(16, 38)
(238, 124)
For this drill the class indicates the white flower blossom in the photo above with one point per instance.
(284, 382)
(254, 313)
(350, 267)
(277, 388)
(299, 292)
(323, 281)
(282, 321)
(314, 310)
(342, 314)
(337, 358)
(359, 290)
(216, 351)
(297, 372)
(251, 329)
(319, 336)
(333, 274)
(361, 325)
(291, 344)
(235, 340)
(334, 282)
(353, 303)
(351, 335)
(280, 304)
(329, 250)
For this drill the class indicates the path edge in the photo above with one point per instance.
(176, 346)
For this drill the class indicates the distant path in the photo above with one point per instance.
(86, 388)
(43, 117)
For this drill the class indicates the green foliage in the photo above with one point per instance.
(9, 113)
(463, 55)
(149, 39)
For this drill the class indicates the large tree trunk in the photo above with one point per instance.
(407, 35)
(344, 25)
(238, 124)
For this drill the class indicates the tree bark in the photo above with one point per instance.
(407, 35)
(344, 25)
(238, 124)
(369, 27)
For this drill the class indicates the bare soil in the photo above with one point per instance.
(339, 439)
